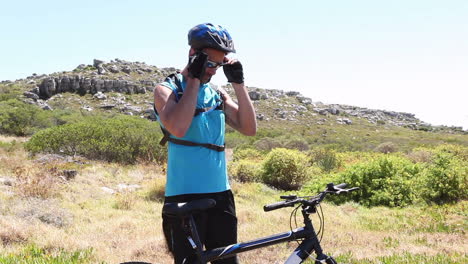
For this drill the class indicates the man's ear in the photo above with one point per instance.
(192, 52)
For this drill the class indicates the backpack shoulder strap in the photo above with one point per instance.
(166, 137)
(174, 79)
(219, 105)
(178, 92)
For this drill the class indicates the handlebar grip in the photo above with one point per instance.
(274, 206)
(288, 197)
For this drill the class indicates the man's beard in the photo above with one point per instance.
(206, 78)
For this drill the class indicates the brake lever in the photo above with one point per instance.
(332, 188)
(288, 197)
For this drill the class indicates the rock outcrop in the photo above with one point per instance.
(85, 85)
(123, 77)
(115, 76)
(342, 113)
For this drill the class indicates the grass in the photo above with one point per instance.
(13, 232)
(404, 258)
(35, 255)
(36, 182)
(125, 201)
(81, 223)
(12, 139)
(430, 219)
(156, 190)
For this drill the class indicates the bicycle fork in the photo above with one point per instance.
(305, 249)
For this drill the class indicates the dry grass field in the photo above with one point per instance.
(111, 213)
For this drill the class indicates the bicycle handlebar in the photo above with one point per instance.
(278, 205)
(291, 200)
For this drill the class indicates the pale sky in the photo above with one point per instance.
(408, 56)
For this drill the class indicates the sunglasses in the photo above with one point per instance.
(212, 64)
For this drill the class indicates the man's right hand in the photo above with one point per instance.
(197, 65)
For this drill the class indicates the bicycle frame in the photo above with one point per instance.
(302, 252)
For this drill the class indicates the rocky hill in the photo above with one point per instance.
(126, 87)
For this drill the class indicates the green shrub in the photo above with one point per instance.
(317, 181)
(9, 91)
(122, 139)
(388, 180)
(446, 179)
(297, 143)
(61, 117)
(269, 132)
(247, 153)
(86, 68)
(285, 169)
(21, 119)
(386, 147)
(315, 173)
(352, 157)
(458, 151)
(325, 159)
(245, 170)
(267, 144)
(235, 139)
(420, 155)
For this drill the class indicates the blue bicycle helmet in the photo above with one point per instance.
(209, 36)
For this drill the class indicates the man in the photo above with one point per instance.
(193, 116)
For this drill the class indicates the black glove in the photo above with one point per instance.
(197, 65)
(234, 72)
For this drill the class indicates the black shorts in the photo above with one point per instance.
(217, 227)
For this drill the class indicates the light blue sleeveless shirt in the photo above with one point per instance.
(195, 169)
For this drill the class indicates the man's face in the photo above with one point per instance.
(215, 56)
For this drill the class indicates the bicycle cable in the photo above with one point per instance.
(294, 213)
(322, 223)
(320, 215)
(290, 219)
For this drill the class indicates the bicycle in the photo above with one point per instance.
(309, 239)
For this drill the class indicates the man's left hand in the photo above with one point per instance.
(234, 72)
